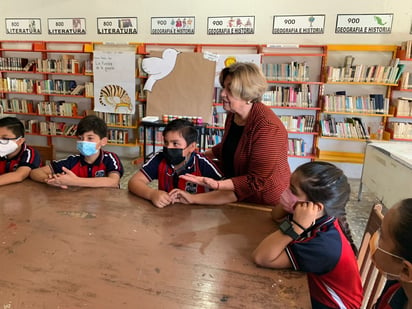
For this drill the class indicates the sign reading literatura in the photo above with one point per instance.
(173, 25)
(364, 23)
(117, 25)
(231, 25)
(63, 26)
(23, 26)
(298, 24)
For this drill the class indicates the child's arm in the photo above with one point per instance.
(68, 178)
(41, 174)
(138, 185)
(20, 174)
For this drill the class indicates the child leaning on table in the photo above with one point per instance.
(93, 167)
(16, 158)
(316, 238)
(391, 252)
(177, 158)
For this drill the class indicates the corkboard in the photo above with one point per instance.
(186, 91)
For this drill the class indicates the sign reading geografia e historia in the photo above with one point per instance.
(231, 25)
(364, 23)
(173, 25)
(23, 26)
(117, 25)
(298, 24)
(64, 26)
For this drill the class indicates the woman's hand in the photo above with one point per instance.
(181, 196)
(200, 180)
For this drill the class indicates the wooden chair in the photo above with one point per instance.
(372, 279)
(47, 153)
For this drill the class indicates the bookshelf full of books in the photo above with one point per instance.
(399, 127)
(356, 100)
(294, 76)
(43, 84)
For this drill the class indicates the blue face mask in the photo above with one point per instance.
(86, 148)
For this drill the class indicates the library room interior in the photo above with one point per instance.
(209, 130)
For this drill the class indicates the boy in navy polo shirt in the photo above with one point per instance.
(177, 158)
(93, 167)
(16, 158)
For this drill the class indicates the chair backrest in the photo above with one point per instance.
(47, 153)
(372, 280)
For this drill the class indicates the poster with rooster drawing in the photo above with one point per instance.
(114, 81)
(179, 83)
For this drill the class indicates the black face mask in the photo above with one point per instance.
(173, 156)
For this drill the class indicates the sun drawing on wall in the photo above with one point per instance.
(229, 61)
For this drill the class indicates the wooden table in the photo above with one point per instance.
(105, 248)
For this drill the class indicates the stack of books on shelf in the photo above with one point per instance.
(17, 85)
(299, 96)
(67, 64)
(406, 47)
(212, 137)
(113, 119)
(31, 126)
(117, 136)
(218, 119)
(59, 108)
(59, 86)
(17, 106)
(296, 147)
(89, 89)
(400, 130)
(292, 71)
(57, 128)
(403, 107)
(88, 66)
(406, 81)
(302, 123)
(388, 74)
(139, 70)
(351, 128)
(372, 103)
(16, 64)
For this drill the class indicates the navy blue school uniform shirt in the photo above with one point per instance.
(393, 296)
(106, 163)
(28, 156)
(198, 164)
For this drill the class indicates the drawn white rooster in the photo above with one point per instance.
(158, 68)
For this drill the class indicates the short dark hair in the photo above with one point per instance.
(185, 127)
(13, 124)
(92, 123)
(402, 230)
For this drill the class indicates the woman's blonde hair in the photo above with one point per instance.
(248, 82)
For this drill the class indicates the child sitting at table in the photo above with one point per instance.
(391, 252)
(177, 158)
(93, 167)
(16, 158)
(316, 237)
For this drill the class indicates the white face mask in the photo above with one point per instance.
(8, 146)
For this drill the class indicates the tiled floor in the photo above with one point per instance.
(357, 211)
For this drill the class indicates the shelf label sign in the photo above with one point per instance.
(117, 25)
(364, 23)
(231, 25)
(173, 25)
(67, 26)
(23, 26)
(298, 24)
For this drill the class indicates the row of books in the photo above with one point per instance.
(302, 123)
(297, 147)
(218, 119)
(406, 46)
(372, 103)
(403, 107)
(292, 71)
(348, 128)
(17, 106)
(406, 80)
(34, 126)
(366, 73)
(401, 130)
(15, 64)
(59, 86)
(299, 96)
(89, 89)
(59, 108)
(17, 85)
(118, 136)
(67, 64)
(116, 119)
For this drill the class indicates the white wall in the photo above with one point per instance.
(263, 10)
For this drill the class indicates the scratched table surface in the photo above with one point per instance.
(105, 248)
